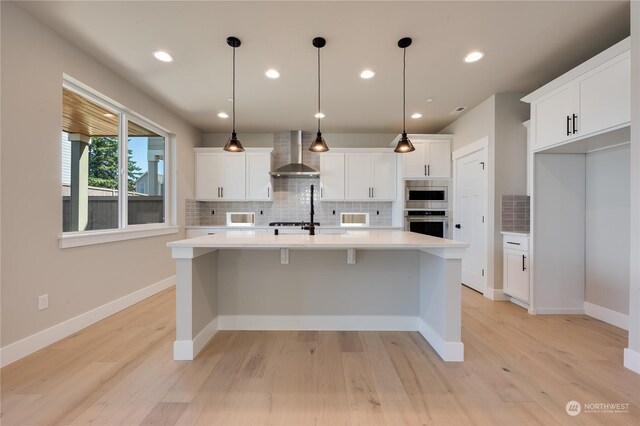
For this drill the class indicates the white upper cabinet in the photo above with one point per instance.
(591, 99)
(430, 160)
(370, 176)
(605, 96)
(230, 176)
(331, 176)
(258, 179)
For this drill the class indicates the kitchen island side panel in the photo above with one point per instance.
(318, 282)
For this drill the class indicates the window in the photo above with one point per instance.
(114, 176)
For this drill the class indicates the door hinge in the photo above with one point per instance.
(483, 272)
(482, 162)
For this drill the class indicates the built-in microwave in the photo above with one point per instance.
(426, 194)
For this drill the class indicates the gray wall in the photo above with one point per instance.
(336, 140)
(499, 118)
(607, 237)
(78, 279)
(634, 296)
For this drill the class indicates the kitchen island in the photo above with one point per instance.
(356, 280)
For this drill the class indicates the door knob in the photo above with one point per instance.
(458, 226)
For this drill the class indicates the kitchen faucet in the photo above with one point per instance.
(311, 227)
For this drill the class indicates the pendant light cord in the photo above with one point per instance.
(404, 89)
(233, 95)
(318, 90)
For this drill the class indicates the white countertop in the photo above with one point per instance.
(350, 239)
(249, 228)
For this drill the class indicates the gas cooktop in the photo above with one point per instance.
(292, 223)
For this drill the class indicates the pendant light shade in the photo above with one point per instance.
(233, 144)
(404, 144)
(319, 145)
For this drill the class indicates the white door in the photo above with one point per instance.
(232, 176)
(439, 159)
(357, 177)
(258, 178)
(383, 186)
(605, 98)
(331, 176)
(414, 164)
(553, 117)
(207, 184)
(469, 216)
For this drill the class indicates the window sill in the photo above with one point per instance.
(87, 238)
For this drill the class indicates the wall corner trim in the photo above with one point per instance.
(22, 348)
(632, 360)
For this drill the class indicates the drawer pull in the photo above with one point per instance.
(515, 244)
(523, 259)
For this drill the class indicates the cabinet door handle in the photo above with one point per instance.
(425, 169)
(371, 192)
(218, 192)
(568, 125)
(515, 244)
(321, 192)
(575, 125)
(268, 192)
(428, 169)
(523, 259)
(222, 192)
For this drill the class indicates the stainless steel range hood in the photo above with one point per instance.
(295, 168)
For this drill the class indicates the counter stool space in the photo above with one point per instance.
(247, 280)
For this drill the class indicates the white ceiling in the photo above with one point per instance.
(527, 45)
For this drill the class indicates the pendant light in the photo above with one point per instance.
(233, 144)
(404, 144)
(319, 145)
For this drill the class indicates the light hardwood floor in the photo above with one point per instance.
(518, 369)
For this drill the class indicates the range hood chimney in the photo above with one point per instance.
(295, 168)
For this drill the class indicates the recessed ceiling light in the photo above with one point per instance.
(272, 73)
(230, 99)
(163, 56)
(367, 74)
(416, 115)
(223, 115)
(474, 56)
(319, 115)
(429, 99)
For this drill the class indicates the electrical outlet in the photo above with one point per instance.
(43, 302)
(334, 212)
(213, 212)
(377, 212)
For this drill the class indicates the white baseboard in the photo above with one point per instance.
(496, 295)
(559, 311)
(518, 302)
(186, 350)
(632, 360)
(20, 349)
(607, 315)
(448, 351)
(318, 322)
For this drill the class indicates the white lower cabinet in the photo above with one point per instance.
(516, 267)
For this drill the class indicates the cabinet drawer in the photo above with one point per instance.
(516, 242)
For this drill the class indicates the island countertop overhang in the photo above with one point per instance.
(387, 240)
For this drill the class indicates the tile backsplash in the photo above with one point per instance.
(515, 213)
(291, 203)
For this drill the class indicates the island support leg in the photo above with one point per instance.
(196, 303)
(440, 304)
